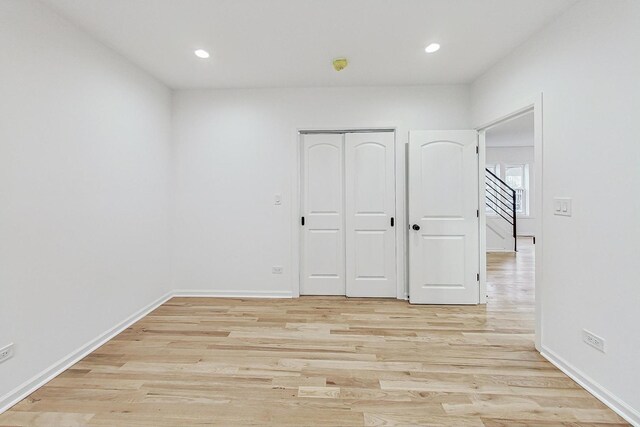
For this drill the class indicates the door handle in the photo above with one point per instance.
(415, 227)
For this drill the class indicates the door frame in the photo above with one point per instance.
(296, 206)
(501, 115)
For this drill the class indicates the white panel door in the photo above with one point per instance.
(370, 207)
(323, 255)
(443, 222)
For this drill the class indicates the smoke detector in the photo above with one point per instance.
(340, 64)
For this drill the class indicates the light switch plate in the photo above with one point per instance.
(562, 206)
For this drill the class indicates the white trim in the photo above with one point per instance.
(538, 163)
(296, 203)
(311, 129)
(346, 130)
(400, 213)
(510, 113)
(482, 215)
(31, 385)
(231, 294)
(598, 391)
(402, 219)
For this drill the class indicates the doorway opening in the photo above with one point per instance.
(509, 200)
(510, 221)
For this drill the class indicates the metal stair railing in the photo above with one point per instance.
(501, 199)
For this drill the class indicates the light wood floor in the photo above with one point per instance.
(323, 361)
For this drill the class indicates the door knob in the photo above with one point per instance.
(415, 227)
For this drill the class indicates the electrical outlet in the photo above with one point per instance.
(276, 269)
(593, 340)
(6, 352)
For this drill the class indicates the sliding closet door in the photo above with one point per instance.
(323, 254)
(370, 212)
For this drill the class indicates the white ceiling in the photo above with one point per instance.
(517, 132)
(266, 43)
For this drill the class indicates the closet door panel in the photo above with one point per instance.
(323, 255)
(369, 214)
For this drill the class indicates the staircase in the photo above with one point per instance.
(501, 199)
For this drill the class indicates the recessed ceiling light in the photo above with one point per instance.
(433, 47)
(201, 53)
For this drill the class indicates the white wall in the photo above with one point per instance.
(587, 65)
(84, 150)
(525, 224)
(235, 149)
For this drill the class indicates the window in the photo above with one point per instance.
(514, 176)
(517, 177)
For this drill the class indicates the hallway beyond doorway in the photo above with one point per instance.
(511, 280)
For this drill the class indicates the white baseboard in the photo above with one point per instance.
(28, 387)
(231, 294)
(601, 393)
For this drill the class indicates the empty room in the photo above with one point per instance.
(319, 212)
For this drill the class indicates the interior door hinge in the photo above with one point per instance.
(478, 277)
(477, 213)
(477, 150)
(302, 221)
